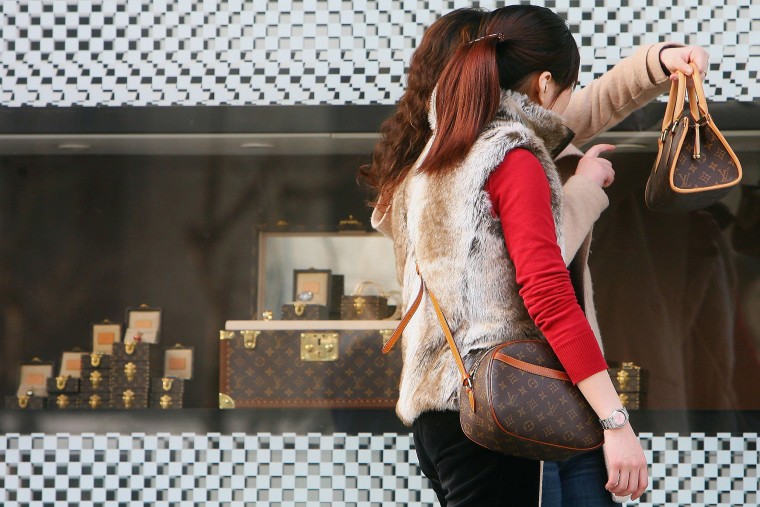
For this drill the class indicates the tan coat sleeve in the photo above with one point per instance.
(584, 202)
(607, 100)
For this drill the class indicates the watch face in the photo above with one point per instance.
(618, 418)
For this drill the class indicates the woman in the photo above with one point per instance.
(480, 216)
(632, 83)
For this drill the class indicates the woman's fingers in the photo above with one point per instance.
(642, 485)
(598, 149)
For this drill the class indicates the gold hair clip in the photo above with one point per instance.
(499, 36)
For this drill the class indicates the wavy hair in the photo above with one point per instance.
(405, 133)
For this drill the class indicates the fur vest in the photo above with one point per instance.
(444, 224)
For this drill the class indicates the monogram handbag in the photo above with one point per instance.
(695, 167)
(517, 399)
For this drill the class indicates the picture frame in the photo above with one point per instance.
(178, 362)
(143, 324)
(312, 286)
(104, 335)
(71, 364)
(33, 377)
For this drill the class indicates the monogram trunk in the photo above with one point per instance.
(631, 382)
(308, 364)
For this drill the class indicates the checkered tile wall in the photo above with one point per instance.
(258, 52)
(314, 470)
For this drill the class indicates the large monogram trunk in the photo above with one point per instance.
(308, 364)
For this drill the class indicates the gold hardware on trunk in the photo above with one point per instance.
(226, 335)
(359, 305)
(623, 398)
(95, 378)
(298, 308)
(622, 378)
(128, 397)
(60, 381)
(386, 334)
(226, 401)
(165, 401)
(267, 314)
(129, 371)
(129, 348)
(95, 358)
(166, 383)
(319, 346)
(62, 401)
(249, 339)
(23, 401)
(94, 401)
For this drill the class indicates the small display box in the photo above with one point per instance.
(32, 386)
(143, 324)
(104, 335)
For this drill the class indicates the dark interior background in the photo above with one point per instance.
(86, 237)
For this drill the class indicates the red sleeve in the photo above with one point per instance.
(520, 194)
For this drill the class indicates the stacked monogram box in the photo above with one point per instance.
(167, 393)
(95, 381)
(133, 365)
(631, 382)
(124, 370)
(63, 392)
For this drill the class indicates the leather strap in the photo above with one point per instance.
(404, 321)
(466, 379)
(697, 100)
(532, 368)
(675, 100)
(674, 110)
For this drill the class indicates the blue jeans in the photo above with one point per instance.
(576, 482)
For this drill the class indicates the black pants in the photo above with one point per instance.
(465, 474)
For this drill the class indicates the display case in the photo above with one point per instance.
(289, 263)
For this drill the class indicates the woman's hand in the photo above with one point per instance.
(679, 58)
(626, 464)
(599, 170)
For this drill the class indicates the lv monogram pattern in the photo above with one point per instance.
(528, 415)
(698, 178)
(714, 167)
(273, 375)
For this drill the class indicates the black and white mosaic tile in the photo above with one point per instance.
(314, 470)
(259, 52)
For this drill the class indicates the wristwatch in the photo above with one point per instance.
(617, 419)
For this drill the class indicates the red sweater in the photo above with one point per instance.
(521, 198)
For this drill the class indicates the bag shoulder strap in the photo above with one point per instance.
(466, 379)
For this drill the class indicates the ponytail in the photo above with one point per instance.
(467, 99)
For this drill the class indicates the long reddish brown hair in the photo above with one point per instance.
(404, 135)
(520, 41)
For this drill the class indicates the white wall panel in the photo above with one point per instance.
(258, 52)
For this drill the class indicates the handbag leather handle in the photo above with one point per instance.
(697, 100)
(674, 110)
(678, 93)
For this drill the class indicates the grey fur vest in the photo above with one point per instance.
(445, 225)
